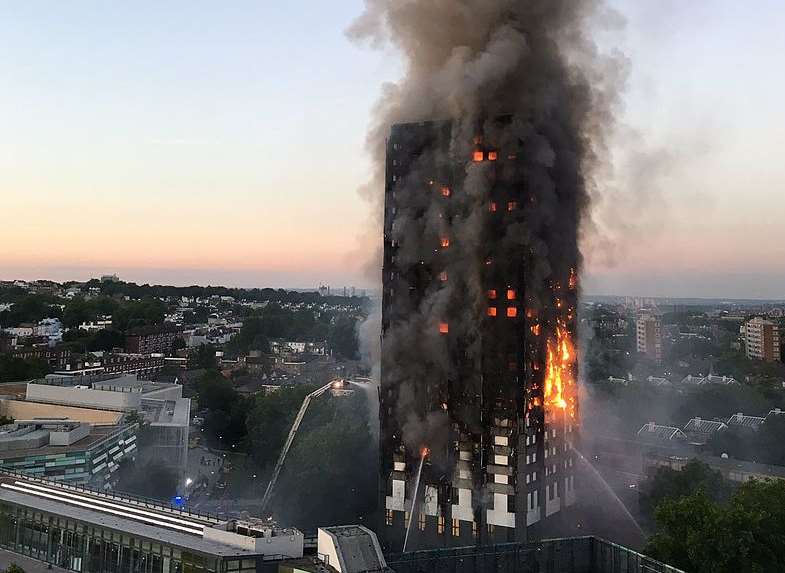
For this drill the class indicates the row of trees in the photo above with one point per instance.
(276, 322)
(136, 291)
(329, 475)
(15, 369)
(704, 526)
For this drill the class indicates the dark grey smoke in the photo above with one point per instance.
(472, 62)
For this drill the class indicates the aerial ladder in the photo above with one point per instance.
(290, 438)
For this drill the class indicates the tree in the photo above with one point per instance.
(203, 357)
(317, 485)
(215, 391)
(19, 369)
(700, 535)
(227, 411)
(343, 337)
(269, 420)
(668, 484)
(106, 340)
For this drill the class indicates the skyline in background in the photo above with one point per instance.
(191, 143)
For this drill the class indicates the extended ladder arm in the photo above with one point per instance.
(289, 439)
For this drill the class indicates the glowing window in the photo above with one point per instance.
(511, 294)
(440, 525)
(445, 242)
(456, 528)
(443, 276)
(492, 294)
(493, 156)
(512, 311)
(479, 156)
(444, 328)
(492, 311)
(492, 207)
(446, 192)
(512, 205)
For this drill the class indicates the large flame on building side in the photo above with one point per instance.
(560, 369)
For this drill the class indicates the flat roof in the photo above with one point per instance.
(95, 437)
(122, 524)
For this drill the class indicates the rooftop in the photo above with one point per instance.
(701, 426)
(97, 435)
(653, 431)
(151, 520)
(741, 421)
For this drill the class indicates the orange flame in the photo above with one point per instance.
(573, 279)
(425, 452)
(559, 371)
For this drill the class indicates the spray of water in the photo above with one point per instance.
(595, 472)
(413, 514)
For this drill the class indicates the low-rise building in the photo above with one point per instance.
(699, 431)
(151, 340)
(733, 470)
(656, 433)
(57, 358)
(691, 380)
(741, 422)
(104, 399)
(100, 323)
(93, 532)
(65, 450)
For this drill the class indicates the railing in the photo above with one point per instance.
(146, 502)
(569, 555)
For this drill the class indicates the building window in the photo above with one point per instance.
(444, 328)
(512, 311)
(491, 311)
(492, 294)
(474, 528)
(511, 294)
(443, 276)
(446, 192)
(388, 517)
(440, 525)
(421, 521)
(456, 528)
(445, 242)
(493, 156)
(512, 205)
(479, 156)
(492, 207)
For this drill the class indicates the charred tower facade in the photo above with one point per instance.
(478, 401)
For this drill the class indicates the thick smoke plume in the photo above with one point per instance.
(472, 62)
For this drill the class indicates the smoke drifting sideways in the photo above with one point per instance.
(471, 62)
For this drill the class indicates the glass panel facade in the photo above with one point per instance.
(86, 548)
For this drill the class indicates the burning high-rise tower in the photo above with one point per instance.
(486, 150)
(478, 364)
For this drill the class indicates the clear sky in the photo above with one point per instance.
(203, 142)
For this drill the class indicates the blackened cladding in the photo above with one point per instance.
(486, 186)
